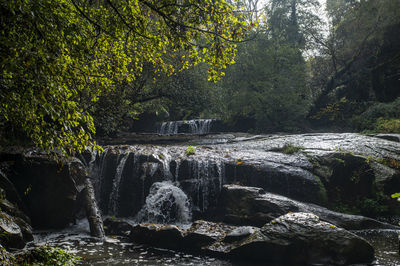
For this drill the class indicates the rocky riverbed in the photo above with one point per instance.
(240, 180)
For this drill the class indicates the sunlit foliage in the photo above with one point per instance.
(58, 56)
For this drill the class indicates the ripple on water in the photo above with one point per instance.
(119, 251)
(115, 250)
(385, 243)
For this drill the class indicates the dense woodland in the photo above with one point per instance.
(74, 70)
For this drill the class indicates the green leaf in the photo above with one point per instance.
(396, 195)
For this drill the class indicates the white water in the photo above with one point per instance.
(196, 126)
(166, 203)
(113, 203)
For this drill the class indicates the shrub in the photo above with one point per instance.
(387, 125)
(379, 117)
(6, 258)
(372, 207)
(190, 150)
(291, 149)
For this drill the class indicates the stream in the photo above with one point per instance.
(120, 251)
(179, 178)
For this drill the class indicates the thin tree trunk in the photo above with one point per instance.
(92, 211)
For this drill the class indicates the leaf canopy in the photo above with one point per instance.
(58, 56)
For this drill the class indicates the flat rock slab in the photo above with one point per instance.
(319, 168)
(300, 238)
(243, 205)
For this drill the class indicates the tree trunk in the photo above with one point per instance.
(92, 211)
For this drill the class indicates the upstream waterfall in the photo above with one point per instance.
(195, 126)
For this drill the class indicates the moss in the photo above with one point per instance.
(5, 257)
(47, 255)
(390, 162)
(373, 206)
(340, 161)
(289, 149)
(322, 191)
(345, 208)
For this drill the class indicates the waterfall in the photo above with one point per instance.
(113, 203)
(126, 178)
(195, 126)
(165, 158)
(206, 178)
(166, 203)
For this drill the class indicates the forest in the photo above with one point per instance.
(278, 66)
(303, 95)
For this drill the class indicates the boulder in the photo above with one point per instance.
(203, 233)
(18, 217)
(302, 238)
(347, 177)
(9, 190)
(294, 238)
(387, 179)
(242, 205)
(115, 226)
(13, 210)
(48, 186)
(15, 229)
(158, 235)
(10, 233)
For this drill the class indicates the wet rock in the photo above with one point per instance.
(302, 238)
(276, 177)
(347, 177)
(391, 137)
(203, 233)
(48, 188)
(158, 235)
(240, 233)
(387, 179)
(18, 217)
(325, 169)
(252, 206)
(10, 233)
(9, 190)
(15, 229)
(115, 226)
(294, 238)
(11, 209)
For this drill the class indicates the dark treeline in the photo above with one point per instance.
(303, 70)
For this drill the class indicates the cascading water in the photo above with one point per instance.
(113, 203)
(195, 126)
(166, 203)
(206, 178)
(125, 176)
